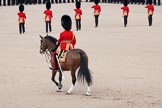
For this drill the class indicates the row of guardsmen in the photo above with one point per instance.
(17, 2)
(156, 2)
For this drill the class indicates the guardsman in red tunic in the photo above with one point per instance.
(48, 16)
(21, 19)
(150, 10)
(97, 10)
(65, 42)
(78, 13)
(125, 9)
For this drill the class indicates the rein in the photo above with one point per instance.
(47, 56)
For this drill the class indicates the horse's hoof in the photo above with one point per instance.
(68, 93)
(88, 94)
(58, 90)
(60, 86)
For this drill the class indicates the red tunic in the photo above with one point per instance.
(150, 8)
(97, 9)
(48, 14)
(78, 13)
(125, 10)
(22, 17)
(65, 38)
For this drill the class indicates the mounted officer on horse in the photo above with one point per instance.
(65, 42)
(71, 59)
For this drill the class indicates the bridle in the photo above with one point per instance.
(45, 50)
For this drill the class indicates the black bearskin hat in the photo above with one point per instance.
(125, 3)
(48, 5)
(21, 8)
(96, 1)
(66, 22)
(78, 5)
(149, 1)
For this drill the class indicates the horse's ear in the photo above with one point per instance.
(41, 36)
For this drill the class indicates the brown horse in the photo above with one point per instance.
(75, 58)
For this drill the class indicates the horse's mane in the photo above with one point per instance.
(51, 39)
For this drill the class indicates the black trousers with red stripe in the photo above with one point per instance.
(150, 20)
(125, 20)
(48, 24)
(78, 24)
(96, 20)
(21, 28)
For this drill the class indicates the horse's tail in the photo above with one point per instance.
(84, 72)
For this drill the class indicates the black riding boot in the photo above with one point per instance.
(54, 63)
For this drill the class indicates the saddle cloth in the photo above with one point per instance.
(62, 55)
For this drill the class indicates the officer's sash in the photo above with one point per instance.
(77, 16)
(125, 13)
(150, 12)
(96, 12)
(21, 20)
(47, 18)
